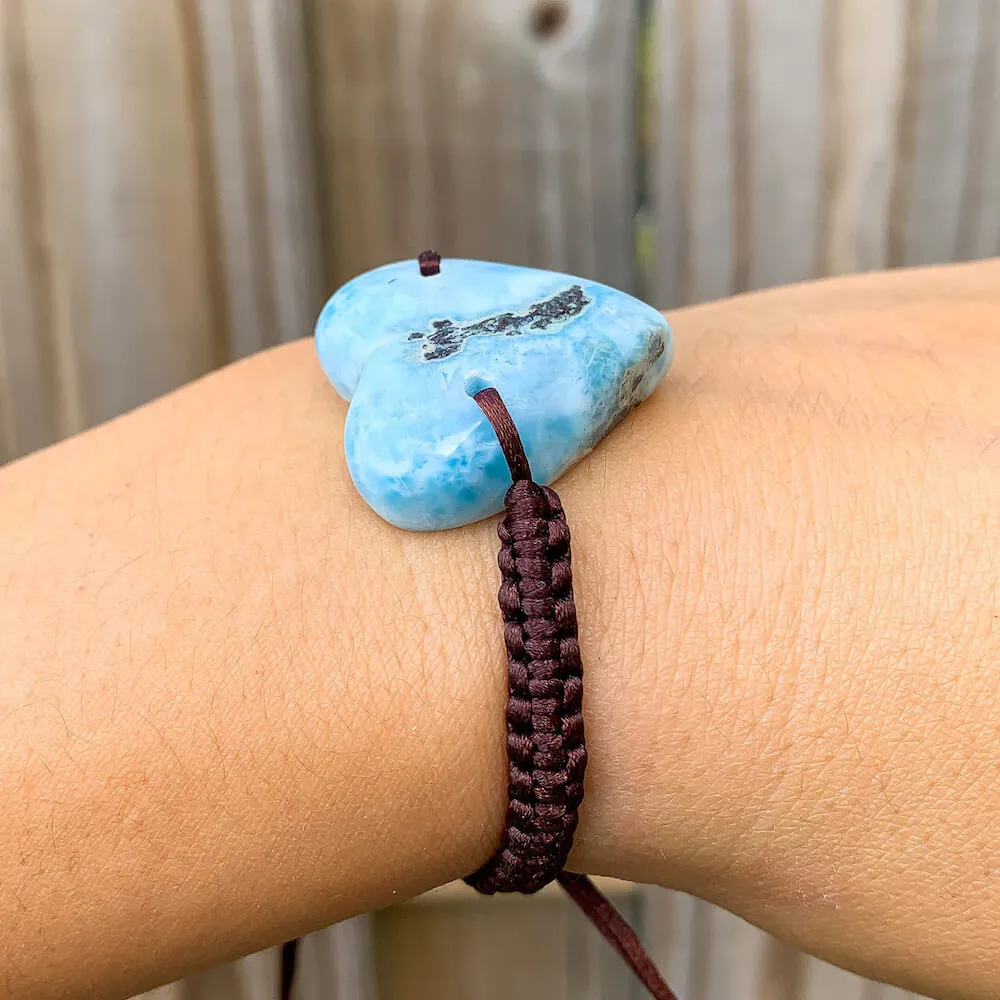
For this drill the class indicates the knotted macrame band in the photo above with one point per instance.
(546, 753)
(546, 750)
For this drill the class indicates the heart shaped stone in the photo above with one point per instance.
(570, 358)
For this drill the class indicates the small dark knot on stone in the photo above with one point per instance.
(430, 263)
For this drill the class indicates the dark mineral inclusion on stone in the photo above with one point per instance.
(446, 337)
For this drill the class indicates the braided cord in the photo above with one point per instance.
(546, 750)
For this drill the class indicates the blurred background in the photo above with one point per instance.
(183, 182)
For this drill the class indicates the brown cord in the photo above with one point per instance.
(617, 932)
(430, 263)
(545, 747)
(546, 751)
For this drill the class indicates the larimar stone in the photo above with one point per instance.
(569, 357)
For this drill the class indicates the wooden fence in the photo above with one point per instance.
(183, 182)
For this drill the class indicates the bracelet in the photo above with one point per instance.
(590, 354)
(546, 749)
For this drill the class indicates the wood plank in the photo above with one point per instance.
(460, 891)
(474, 949)
(783, 974)
(358, 148)
(668, 933)
(470, 133)
(133, 313)
(706, 953)
(594, 970)
(231, 90)
(738, 178)
(979, 215)
(865, 85)
(881, 992)
(255, 57)
(729, 955)
(784, 55)
(172, 991)
(936, 124)
(669, 155)
(337, 963)
(570, 951)
(466, 949)
(28, 394)
(258, 976)
(696, 189)
(417, 223)
(827, 982)
(457, 125)
(708, 34)
(288, 153)
(606, 178)
(221, 982)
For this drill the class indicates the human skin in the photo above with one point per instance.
(235, 705)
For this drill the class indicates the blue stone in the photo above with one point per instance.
(569, 357)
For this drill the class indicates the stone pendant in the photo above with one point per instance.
(409, 345)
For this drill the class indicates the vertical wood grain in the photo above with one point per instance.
(733, 956)
(468, 949)
(172, 991)
(286, 127)
(783, 973)
(221, 31)
(221, 982)
(782, 115)
(707, 32)
(935, 130)
(864, 89)
(827, 982)
(338, 963)
(258, 976)
(978, 232)
(417, 211)
(607, 172)
(593, 969)
(694, 176)
(538, 948)
(132, 312)
(825, 136)
(669, 935)
(471, 134)
(881, 992)
(706, 953)
(259, 122)
(667, 166)
(28, 391)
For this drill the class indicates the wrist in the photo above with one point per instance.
(807, 699)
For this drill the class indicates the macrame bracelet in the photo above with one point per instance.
(590, 353)
(546, 749)
(546, 752)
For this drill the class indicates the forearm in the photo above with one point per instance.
(814, 695)
(235, 705)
